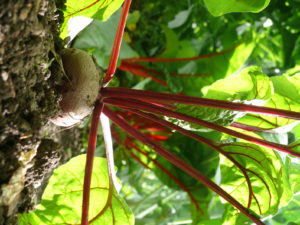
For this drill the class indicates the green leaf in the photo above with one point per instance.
(96, 9)
(220, 7)
(98, 39)
(195, 153)
(172, 43)
(227, 64)
(287, 96)
(288, 215)
(132, 20)
(200, 157)
(293, 169)
(233, 216)
(211, 222)
(256, 177)
(251, 85)
(62, 200)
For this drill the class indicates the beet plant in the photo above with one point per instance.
(233, 120)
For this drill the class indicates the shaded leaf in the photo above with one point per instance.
(172, 43)
(288, 215)
(98, 39)
(180, 18)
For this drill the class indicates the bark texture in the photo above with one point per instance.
(30, 75)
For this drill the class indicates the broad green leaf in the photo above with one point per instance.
(251, 86)
(287, 96)
(62, 200)
(248, 85)
(288, 215)
(196, 74)
(280, 138)
(257, 177)
(218, 66)
(96, 9)
(98, 39)
(220, 7)
(205, 71)
(227, 64)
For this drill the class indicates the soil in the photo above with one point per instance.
(30, 77)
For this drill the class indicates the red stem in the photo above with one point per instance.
(135, 104)
(220, 104)
(89, 161)
(169, 174)
(199, 138)
(249, 127)
(117, 43)
(138, 160)
(180, 59)
(143, 68)
(107, 143)
(178, 162)
(141, 73)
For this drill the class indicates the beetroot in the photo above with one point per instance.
(80, 90)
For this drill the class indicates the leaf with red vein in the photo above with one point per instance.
(62, 199)
(264, 168)
(178, 162)
(286, 96)
(168, 173)
(96, 9)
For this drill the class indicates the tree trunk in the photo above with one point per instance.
(30, 146)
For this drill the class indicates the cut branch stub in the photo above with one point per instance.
(81, 89)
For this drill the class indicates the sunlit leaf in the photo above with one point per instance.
(251, 86)
(62, 200)
(96, 9)
(233, 216)
(220, 7)
(256, 177)
(287, 96)
(227, 64)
